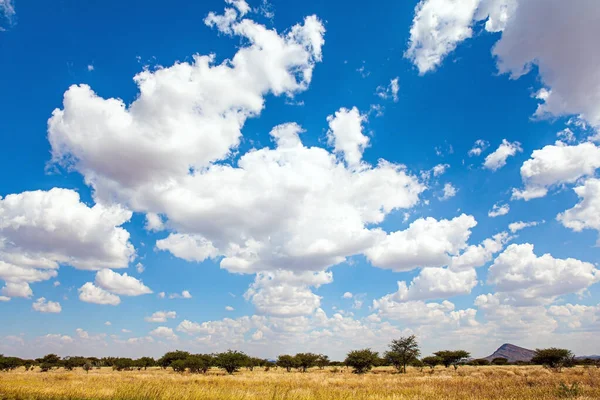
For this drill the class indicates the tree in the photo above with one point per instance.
(179, 365)
(231, 360)
(402, 352)
(322, 361)
(480, 361)
(305, 361)
(252, 362)
(51, 359)
(499, 361)
(146, 362)
(87, 366)
(432, 361)
(452, 357)
(553, 358)
(361, 360)
(286, 361)
(199, 363)
(122, 364)
(166, 360)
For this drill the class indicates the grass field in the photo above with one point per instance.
(490, 382)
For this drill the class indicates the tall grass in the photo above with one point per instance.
(508, 382)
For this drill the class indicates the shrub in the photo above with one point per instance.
(199, 363)
(178, 365)
(553, 358)
(361, 360)
(499, 361)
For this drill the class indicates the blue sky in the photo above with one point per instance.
(307, 173)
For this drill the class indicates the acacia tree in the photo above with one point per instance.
(322, 361)
(553, 358)
(146, 362)
(286, 361)
(452, 357)
(166, 360)
(402, 352)
(431, 361)
(361, 360)
(231, 360)
(305, 361)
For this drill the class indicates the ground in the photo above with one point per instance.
(490, 382)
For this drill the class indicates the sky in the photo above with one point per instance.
(277, 177)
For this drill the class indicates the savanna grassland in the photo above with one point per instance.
(468, 382)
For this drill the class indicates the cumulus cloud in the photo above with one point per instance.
(93, 294)
(437, 283)
(183, 295)
(496, 160)
(449, 191)
(154, 222)
(586, 214)
(346, 134)
(519, 225)
(161, 316)
(556, 165)
(164, 333)
(43, 306)
(389, 91)
(478, 255)
(498, 210)
(524, 278)
(120, 284)
(427, 242)
(17, 289)
(229, 308)
(347, 295)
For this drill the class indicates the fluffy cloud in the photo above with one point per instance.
(498, 210)
(17, 289)
(449, 191)
(347, 295)
(438, 26)
(390, 91)
(427, 242)
(164, 333)
(120, 284)
(184, 295)
(586, 214)
(524, 278)
(555, 165)
(496, 160)
(346, 136)
(161, 316)
(478, 255)
(43, 306)
(93, 294)
(436, 283)
(517, 226)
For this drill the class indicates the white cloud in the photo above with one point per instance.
(17, 289)
(517, 226)
(139, 267)
(390, 91)
(555, 165)
(7, 11)
(525, 278)
(4, 298)
(154, 222)
(566, 136)
(188, 247)
(162, 295)
(56, 283)
(125, 331)
(90, 67)
(586, 214)
(478, 255)
(161, 316)
(438, 26)
(437, 283)
(479, 147)
(93, 294)
(107, 323)
(440, 169)
(164, 332)
(346, 134)
(184, 295)
(498, 210)
(496, 160)
(425, 243)
(37, 232)
(347, 295)
(449, 191)
(43, 306)
(241, 6)
(229, 308)
(120, 284)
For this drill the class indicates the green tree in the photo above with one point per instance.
(286, 361)
(480, 361)
(179, 365)
(199, 363)
(231, 360)
(87, 366)
(122, 364)
(306, 360)
(322, 361)
(499, 361)
(553, 358)
(452, 357)
(52, 359)
(432, 361)
(402, 352)
(146, 362)
(361, 360)
(166, 360)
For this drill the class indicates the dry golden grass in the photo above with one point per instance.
(508, 382)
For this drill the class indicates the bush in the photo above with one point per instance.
(231, 361)
(361, 360)
(499, 361)
(286, 361)
(178, 365)
(199, 363)
(553, 358)
(305, 361)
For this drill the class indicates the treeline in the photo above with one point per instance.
(402, 352)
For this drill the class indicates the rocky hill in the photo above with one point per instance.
(512, 353)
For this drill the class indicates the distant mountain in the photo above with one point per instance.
(593, 357)
(512, 353)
